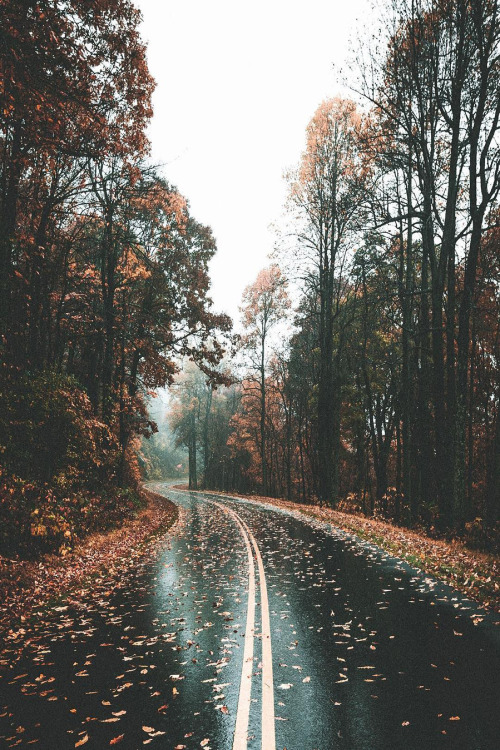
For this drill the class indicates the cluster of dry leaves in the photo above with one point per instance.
(26, 585)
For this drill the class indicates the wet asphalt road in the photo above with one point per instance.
(365, 654)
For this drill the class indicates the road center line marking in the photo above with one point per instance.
(268, 720)
(240, 741)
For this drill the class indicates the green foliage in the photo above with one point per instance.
(160, 457)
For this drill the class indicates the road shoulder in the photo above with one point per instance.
(28, 585)
(474, 574)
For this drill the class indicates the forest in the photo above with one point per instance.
(383, 399)
(365, 375)
(103, 270)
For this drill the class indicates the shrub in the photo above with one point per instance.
(58, 468)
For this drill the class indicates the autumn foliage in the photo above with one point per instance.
(384, 399)
(103, 270)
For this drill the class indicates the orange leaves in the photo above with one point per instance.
(331, 141)
(132, 268)
(266, 301)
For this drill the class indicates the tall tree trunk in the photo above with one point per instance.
(425, 431)
(108, 283)
(123, 432)
(8, 218)
(37, 281)
(263, 456)
(407, 381)
(493, 484)
(470, 425)
(206, 441)
(443, 463)
(302, 467)
(193, 477)
(463, 361)
(326, 413)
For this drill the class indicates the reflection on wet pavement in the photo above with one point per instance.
(365, 654)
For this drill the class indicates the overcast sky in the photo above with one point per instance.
(237, 83)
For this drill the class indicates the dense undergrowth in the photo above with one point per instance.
(62, 474)
(392, 509)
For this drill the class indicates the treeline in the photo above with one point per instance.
(386, 396)
(103, 270)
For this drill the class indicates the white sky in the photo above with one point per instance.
(237, 83)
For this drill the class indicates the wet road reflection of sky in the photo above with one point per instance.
(154, 658)
(362, 657)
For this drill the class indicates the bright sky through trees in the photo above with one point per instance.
(237, 84)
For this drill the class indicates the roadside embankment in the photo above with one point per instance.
(26, 585)
(473, 573)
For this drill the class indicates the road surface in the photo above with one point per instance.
(254, 629)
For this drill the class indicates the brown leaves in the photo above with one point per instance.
(26, 585)
(151, 732)
(83, 740)
(476, 573)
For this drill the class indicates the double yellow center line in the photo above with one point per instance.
(240, 740)
(242, 716)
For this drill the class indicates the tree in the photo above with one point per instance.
(265, 303)
(435, 94)
(189, 416)
(329, 191)
(104, 279)
(74, 83)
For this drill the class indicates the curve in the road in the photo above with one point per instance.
(431, 677)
